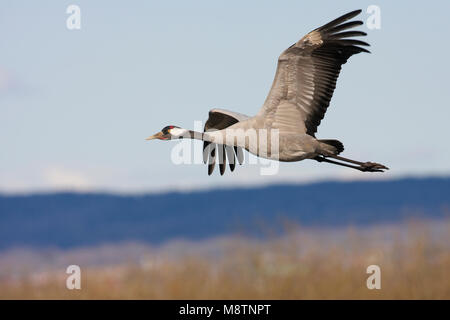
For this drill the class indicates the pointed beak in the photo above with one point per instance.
(155, 136)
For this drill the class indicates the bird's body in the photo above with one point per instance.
(284, 129)
(291, 146)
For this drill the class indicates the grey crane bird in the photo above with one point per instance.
(300, 95)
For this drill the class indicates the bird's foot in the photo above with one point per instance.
(373, 167)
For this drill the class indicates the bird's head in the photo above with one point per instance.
(168, 133)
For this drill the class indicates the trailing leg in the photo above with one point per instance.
(364, 167)
(369, 165)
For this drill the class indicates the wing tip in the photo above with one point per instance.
(352, 14)
(340, 19)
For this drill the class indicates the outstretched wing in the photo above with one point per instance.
(220, 119)
(306, 76)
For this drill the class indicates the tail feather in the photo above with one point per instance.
(333, 146)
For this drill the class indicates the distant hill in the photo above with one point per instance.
(73, 219)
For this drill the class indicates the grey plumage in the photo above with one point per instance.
(304, 83)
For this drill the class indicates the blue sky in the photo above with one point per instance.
(75, 106)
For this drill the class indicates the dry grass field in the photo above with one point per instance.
(303, 264)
